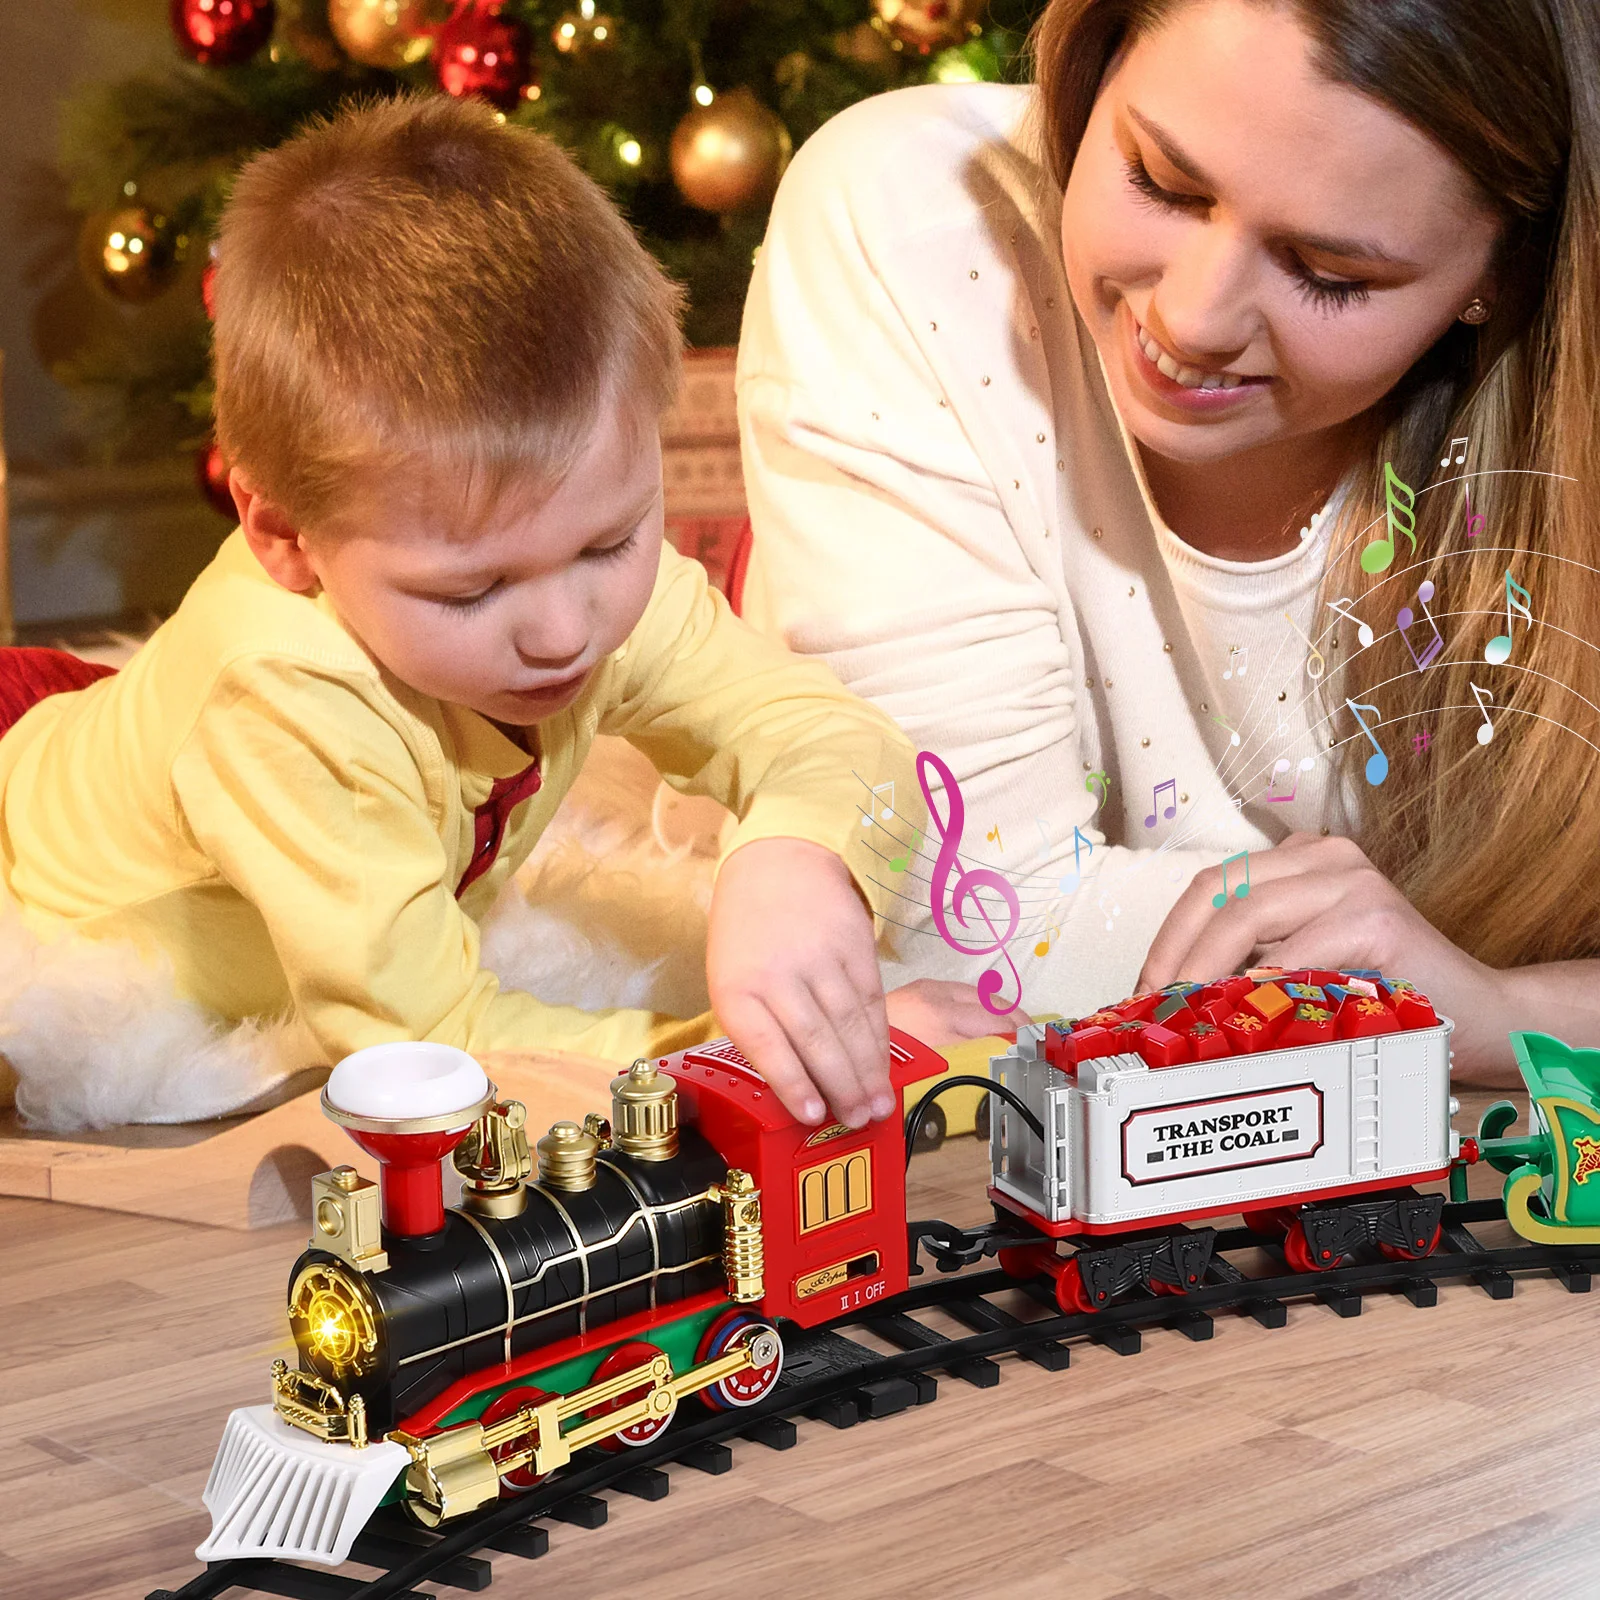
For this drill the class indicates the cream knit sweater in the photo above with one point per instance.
(948, 509)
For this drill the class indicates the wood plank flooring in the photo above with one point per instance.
(1405, 1454)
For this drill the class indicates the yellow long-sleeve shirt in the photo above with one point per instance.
(257, 798)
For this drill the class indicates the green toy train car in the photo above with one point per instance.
(1552, 1191)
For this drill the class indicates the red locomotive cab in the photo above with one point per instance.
(833, 1198)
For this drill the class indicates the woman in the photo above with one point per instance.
(1066, 420)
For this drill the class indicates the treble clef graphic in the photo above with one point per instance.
(968, 882)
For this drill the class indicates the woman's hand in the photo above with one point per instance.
(1318, 902)
(939, 1013)
(793, 975)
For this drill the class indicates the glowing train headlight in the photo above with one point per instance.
(334, 1320)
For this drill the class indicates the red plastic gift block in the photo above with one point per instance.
(1126, 1036)
(1246, 1033)
(1268, 1002)
(1209, 1042)
(1364, 1018)
(1098, 1019)
(1162, 1047)
(1311, 993)
(1141, 1008)
(1414, 1010)
(1310, 1024)
(1086, 1044)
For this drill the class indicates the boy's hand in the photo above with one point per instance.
(793, 976)
(940, 1013)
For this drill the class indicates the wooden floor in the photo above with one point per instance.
(1404, 1453)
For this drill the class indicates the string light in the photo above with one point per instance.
(631, 152)
(704, 94)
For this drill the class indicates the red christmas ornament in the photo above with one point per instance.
(222, 33)
(480, 52)
(208, 285)
(211, 473)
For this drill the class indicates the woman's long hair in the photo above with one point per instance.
(1497, 844)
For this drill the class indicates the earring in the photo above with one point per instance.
(1475, 311)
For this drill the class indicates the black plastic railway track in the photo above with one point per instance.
(834, 1379)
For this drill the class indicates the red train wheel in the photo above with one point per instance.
(1298, 1253)
(1270, 1224)
(1416, 1250)
(633, 1354)
(497, 1410)
(754, 1384)
(1071, 1294)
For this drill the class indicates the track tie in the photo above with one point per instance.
(709, 1457)
(579, 1511)
(885, 1397)
(1196, 1325)
(387, 1550)
(1575, 1277)
(1346, 1302)
(836, 1410)
(1268, 1312)
(530, 1541)
(776, 1433)
(982, 1317)
(1422, 1292)
(1494, 1281)
(927, 1387)
(296, 1583)
(1120, 1337)
(909, 1334)
(648, 1483)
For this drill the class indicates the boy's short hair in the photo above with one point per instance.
(414, 280)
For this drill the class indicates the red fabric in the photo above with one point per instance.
(29, 676)
(737, 566)
(489, 821)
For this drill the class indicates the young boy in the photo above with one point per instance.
(441, 359)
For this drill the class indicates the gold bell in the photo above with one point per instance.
(644, 1113)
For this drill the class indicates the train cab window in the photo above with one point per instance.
(834, 1190)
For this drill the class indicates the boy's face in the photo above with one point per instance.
(510, 621)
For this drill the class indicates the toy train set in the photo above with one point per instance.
(452, 1357)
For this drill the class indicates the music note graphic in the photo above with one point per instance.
(1097, 777)
(1232, 731)
(1115, 911)
(1462, 441)
(1069, 884)
(1242, 650)
(899, 863)
(968, 883)
(1281, 766)
(1475, 519)
(1315, 665)
(994, 833)
(1219, 900)
(1377, 762)
(1498, 650)
(888, 810)
(1484, 699)
(1171, 786)
(1052, 934)
(1364, 631)
(1404, 620)
(1399, 500)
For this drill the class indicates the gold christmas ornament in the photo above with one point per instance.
(929, 25)
(729, 155)
(128, 252)
(584, 32)
(386, 33)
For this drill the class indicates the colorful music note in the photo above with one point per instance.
(966, 887)
(1069, 884)
(1405, 619)
(1244, 665)
(901, 862)
(1475, 519)
(1484, 699)
(1498, 650)
(1097, 777)
(994, 833)
(888, 810)
(1219, 900)
(1233, 732)
(1462, 441)
(1052, 934)
(1315, 665)
(1398, 513)
(1377, 762)
(1171, 786)
(1364, 631)
(1281, 766)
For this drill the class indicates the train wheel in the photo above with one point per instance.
(1297, 1252)
(1271, 1224)
(1071, 1294)
(754, 1384)
(1416, 1250)
(930, 1130)
(980, 1120)
(633, 1354)
(497, 1410)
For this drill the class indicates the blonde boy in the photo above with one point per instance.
(441, 359)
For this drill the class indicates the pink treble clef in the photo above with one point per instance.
(967, 884)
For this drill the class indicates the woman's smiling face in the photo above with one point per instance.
(1231, 214)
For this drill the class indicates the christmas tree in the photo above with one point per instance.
(686, 111)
